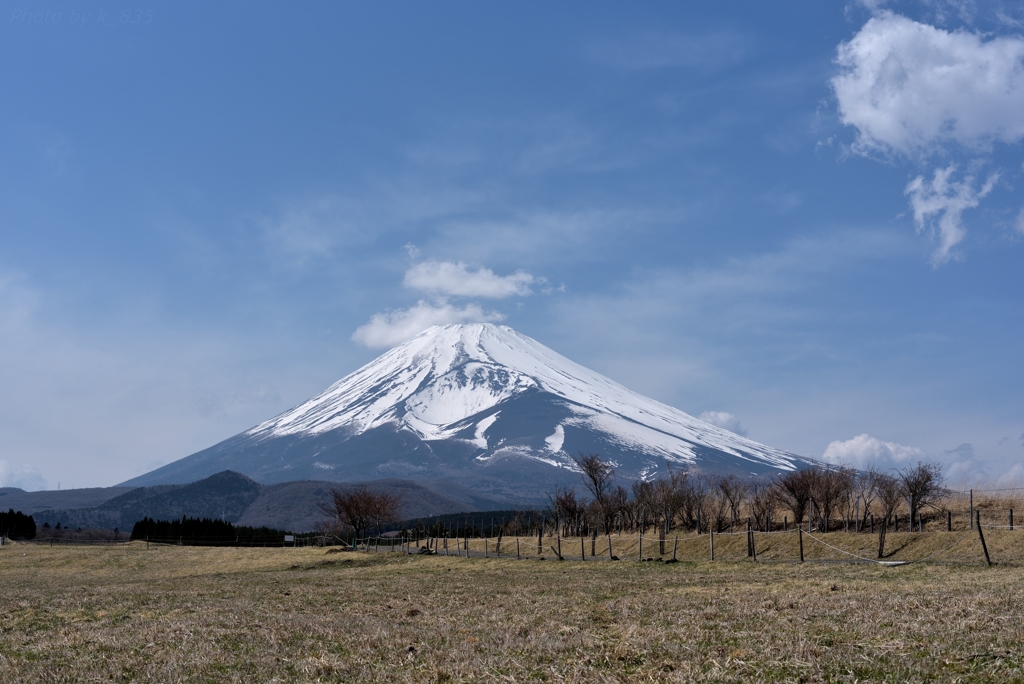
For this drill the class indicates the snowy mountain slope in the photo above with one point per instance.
(480, 404)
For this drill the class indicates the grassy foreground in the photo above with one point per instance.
(201, 614)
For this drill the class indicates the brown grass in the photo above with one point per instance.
(214, 614)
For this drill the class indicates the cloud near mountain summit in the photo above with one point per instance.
(443, 280)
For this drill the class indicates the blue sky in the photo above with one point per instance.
(803, 220)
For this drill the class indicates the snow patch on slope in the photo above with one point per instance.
(479, 438)
(555, 441)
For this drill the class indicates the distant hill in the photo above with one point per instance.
(30, 502)
(237, 499)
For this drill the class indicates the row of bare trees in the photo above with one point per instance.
(699, 502)
(822, 496)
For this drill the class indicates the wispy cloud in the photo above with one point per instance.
(444, 280)
(314, 228)
(726, 421)
(939, 204)
(459, 280)
(394, 327)
(661, 49)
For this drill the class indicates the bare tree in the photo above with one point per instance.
(691, 495)
(761, 495)
(865, 491)
(619, 506)
(644, 502)
(359, 509)
(922, 484)
(793, 490)
(716, 513)
(566, 508)
(890, 495)
(829, 486)
(734, 492)
(597, 476)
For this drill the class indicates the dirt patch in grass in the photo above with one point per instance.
(201, 614)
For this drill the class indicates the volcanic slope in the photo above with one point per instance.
(480, 406)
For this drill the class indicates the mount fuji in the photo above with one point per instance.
(479, 406)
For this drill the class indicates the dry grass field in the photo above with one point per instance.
(211, 615)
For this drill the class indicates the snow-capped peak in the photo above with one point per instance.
(435, 383)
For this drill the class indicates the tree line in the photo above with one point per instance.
(822, 495)
(17, 525)
(825, 496)
(204, 532)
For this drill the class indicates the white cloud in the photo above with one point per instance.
(394, 327)
(909, 87)
(939, 203)
(963, 467)
(724, 420)
(1019, 223)
(20, 475)
(457, 279)
(864, 450)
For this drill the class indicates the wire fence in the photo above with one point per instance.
(929, 538)
(793, 545)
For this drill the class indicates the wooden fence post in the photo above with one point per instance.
(1011, 520)
(540, 539)
(949, 521)
(675, 546)
(750, 541)
(640, 553)
(583, 548)
(800, 535)
(981, 536)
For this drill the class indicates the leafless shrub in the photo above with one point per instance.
(566, 508)
(865, 492)
(793, 491)
(644, 503)
(360, 509)
(761, 494)
(734, 493)
(829, 487)
(922, 485)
